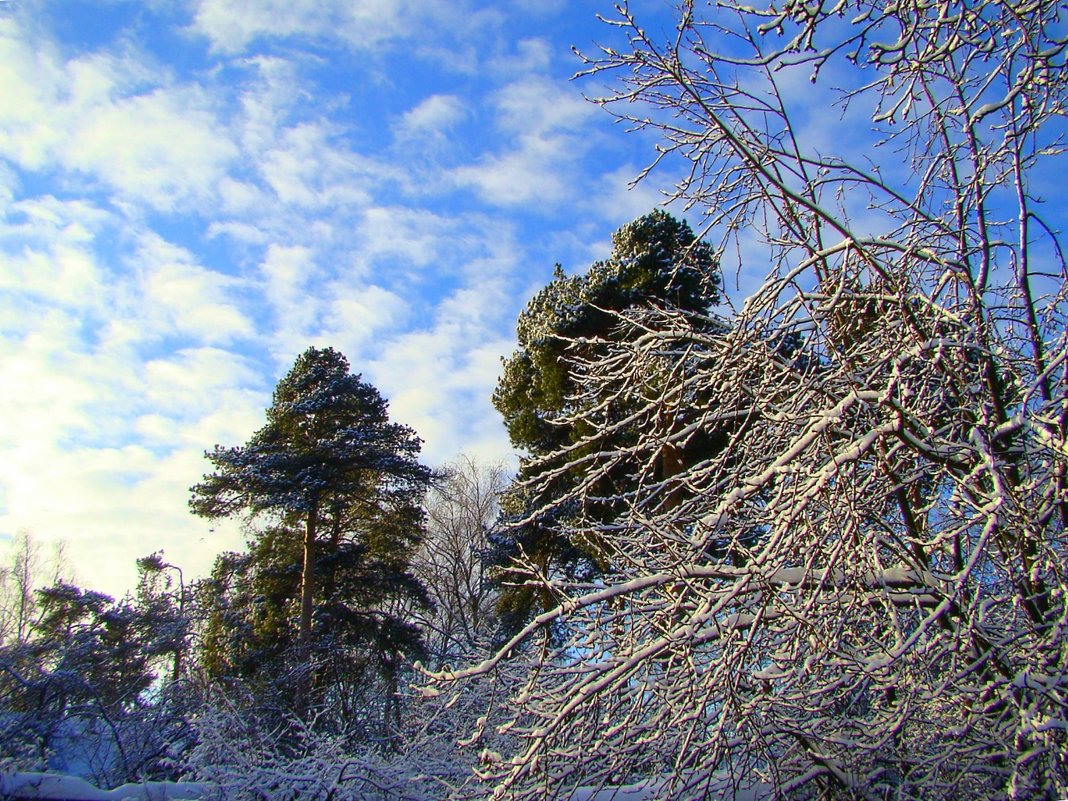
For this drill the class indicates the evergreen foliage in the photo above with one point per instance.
(656, 262)
(315, 610)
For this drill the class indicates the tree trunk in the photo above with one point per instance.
(329, 580)
(307, 588)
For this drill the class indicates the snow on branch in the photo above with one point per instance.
(829, 532)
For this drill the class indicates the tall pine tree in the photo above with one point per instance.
(339, 487)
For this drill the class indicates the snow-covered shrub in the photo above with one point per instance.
(73, 695)
(251, 760)
(250, 756)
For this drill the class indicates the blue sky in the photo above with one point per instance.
(192, 193)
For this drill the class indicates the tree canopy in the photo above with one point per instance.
(656, 262)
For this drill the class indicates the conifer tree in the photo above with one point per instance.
(339, 487)
(656, 262)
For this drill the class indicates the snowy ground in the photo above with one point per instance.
(56, 787)
(69, 788)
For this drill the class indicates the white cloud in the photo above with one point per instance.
(233, 25)
(539, 106)
(241, 197)
(359, 315)
(9, 183)
(192, 381)
(289, 273)
(405, 237)
(245, 233)
(443, 388)
(306, 169)
(433, 115)
(535, 172)
(269, 100)
(52, 397)
(532, 55)
(66, 275)
(31, 80)
(549, 130)
(105, 116)
(619, 202)
(111, 505)
(100, 449)
(426, 126)
(70, 218)
(162, 147)
(48, 252)
(179, 295)
(439, 378)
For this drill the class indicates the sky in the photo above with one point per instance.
(192, 192)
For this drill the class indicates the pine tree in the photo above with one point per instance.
(340, 487)
(656, 260)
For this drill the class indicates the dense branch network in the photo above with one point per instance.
(863, 592)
